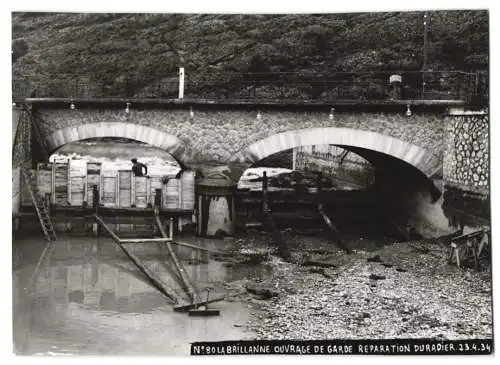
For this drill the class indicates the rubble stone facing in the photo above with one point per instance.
(466, 156)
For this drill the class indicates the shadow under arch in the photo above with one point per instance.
(424, 161)
(154, 137)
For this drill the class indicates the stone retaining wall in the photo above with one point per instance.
(466, 157)
(466, 170)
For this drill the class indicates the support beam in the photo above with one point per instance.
(159, 240)
(156, 281)
(334, 230)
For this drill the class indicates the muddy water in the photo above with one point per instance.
(89, 299)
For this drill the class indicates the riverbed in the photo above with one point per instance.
(88, 298)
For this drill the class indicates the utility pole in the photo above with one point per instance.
(424, 65)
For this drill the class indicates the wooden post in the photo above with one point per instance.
(319, 183)
(117, 187)
(171, 228)
(157, 207)
(148, 190)
(85, 191)
(181, 82)
(199, 222)
(297, 183)
(69, 184)
(132, 190)
(47, 203)
(95, 205)
(265, 201)
(158, 199)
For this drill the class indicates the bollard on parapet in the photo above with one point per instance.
(396, 83)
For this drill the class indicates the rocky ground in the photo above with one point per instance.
(399, 290)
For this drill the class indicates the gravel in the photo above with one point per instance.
(420, 296)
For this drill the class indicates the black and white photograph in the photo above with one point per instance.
(251, 183)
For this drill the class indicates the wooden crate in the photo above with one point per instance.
(109, 190)
(77, 181)
(61, 184)
(171, 200)
(125, 187)
(77, 190)
(141, 191)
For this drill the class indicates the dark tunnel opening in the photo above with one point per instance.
(399, 201)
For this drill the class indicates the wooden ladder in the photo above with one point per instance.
(40, 206)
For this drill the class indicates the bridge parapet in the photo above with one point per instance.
(332, 87)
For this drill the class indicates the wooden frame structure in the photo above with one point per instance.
(468, 246)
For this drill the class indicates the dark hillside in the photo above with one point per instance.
(134, 53)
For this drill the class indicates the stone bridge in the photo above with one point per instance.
(412, 147)
(207, 134)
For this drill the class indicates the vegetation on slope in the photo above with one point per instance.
(134, 53)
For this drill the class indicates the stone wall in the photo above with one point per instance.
(466, 157)
(466, 170)
(215, 136)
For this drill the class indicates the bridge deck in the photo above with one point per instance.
(240, 102)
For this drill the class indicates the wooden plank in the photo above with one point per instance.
(110, 211)
(470, 235)
(186, 307)
(157, 282)
(144, 240)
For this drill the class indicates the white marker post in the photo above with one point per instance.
(181, 82)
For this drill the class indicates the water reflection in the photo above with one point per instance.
(89, 299)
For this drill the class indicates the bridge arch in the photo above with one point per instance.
(141, 133)
(424, 161)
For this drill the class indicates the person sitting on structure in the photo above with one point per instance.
(138, 168)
